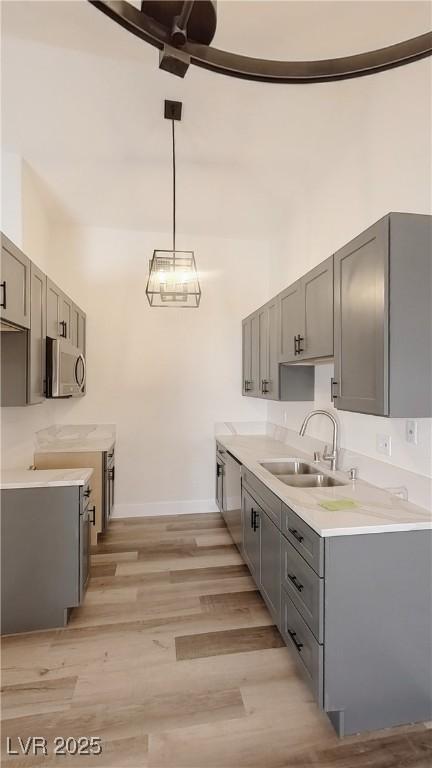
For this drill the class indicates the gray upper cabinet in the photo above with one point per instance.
(54, 297)
(306, 316)
(78, 328)
(383, 336)
(317, 302)
(37, 337)
(66, 317)
(262, 375)
(247, 355)
(291, 321)
(14, 285)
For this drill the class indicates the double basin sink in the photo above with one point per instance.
(299, 474)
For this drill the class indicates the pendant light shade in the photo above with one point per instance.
(173, 277)
(173, 280)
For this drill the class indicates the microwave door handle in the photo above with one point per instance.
(81, 383)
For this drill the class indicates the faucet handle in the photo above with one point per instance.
(317, 456)
(353, 473)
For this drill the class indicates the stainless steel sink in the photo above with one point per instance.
(309, 481)
(289, 467)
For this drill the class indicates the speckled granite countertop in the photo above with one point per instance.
(377, 510)
(43, 478)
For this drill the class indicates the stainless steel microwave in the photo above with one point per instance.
(66, 369)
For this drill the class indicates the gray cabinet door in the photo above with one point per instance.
(78, 328)
(14, 285)
(270, 565)
(273, 392)
(251, 534)
(66, 317)
(247, 356)
(54, 295)
(291, 321)
(37, 340)
(361, 322)
(318, 312)
(263, 339)
(255, 356)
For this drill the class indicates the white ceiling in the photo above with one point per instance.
(82, 102)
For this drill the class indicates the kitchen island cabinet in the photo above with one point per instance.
(45, 548)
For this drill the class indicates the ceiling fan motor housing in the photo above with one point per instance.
(201, 21)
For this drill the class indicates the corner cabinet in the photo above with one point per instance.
(327, 607)
(263, 376)
(383, 332)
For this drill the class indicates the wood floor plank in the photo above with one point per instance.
(210, 573)
(231, 600)
(37, 696)
(227, 641)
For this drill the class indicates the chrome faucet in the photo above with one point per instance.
(333, 456)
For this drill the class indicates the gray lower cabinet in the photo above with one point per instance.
(44, 556)
(270, 565)
(383, 330)
(354, 610)
(14, 285)
(251, 535)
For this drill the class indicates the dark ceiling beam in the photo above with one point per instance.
(265, 70)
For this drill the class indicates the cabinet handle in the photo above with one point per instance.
(264, 386)
(3, 285)
(300, 349)
(256, 520)
(292, 635)
(247, 385)
(63, 333)
(293, 580)
(93, 511)
(87, 492)
(296, 534)
(295, 345)
(333, 385)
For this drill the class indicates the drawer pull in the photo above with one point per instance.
(292, 635)
(296, 534)
(87, 492)
(296, 583)
(93, 517)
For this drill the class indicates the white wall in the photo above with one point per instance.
(27, 221)
(376, 158)
(163, 376)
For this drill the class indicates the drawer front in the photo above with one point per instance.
(309, 652)
(270, 503)
(304, 539)
(304, 587)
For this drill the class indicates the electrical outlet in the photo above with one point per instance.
(383, 444)
(411, 432)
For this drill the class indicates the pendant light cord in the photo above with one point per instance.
(174, 184)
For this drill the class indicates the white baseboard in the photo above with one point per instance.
(152, 509)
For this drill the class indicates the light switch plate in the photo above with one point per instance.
(411, 428)
(383, 444)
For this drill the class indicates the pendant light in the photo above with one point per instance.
(173, 278)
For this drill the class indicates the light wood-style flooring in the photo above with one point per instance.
(174, 662)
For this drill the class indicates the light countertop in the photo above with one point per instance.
(81, 438)
(43, 478)
(378, 511)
